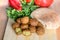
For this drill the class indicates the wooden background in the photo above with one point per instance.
(3, 16)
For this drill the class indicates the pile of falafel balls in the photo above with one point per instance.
(27, 26)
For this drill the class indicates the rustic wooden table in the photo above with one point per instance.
(3, 21)
(3, 16)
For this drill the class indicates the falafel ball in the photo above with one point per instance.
(26, 33)
(24, 26)
(33, 22)
(40, 31)
(15, 25)
(40, 24)
(32, 29)
(25, 20)
(18, 20)
(18, 31)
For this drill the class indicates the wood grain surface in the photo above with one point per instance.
(3, 17)
(3, 21)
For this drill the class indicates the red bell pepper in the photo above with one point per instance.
(16, 4)
(43, 3)
(28, 1)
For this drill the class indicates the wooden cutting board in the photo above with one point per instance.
(50, 34)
